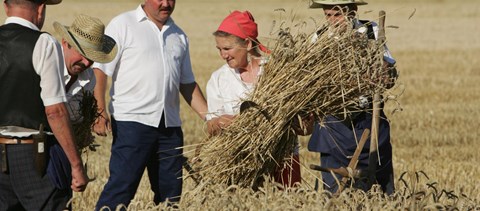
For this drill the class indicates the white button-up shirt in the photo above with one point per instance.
(47, 61)
(148, 69)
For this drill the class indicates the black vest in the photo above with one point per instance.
(20, 102)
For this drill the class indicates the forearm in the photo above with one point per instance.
(58, 119)
(100, 90)
(194, 97)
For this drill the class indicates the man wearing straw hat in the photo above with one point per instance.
(336, 139)
(82, 44)
(33, 101)
(151, 70)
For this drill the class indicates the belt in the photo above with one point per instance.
(15, 141)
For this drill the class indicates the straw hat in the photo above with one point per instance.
(87, 36)
(320, 3)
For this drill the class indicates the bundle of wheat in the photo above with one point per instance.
(325, 77)
(82, 128)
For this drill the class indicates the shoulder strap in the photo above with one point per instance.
(370, 32)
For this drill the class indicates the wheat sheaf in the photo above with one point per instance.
(302, 77)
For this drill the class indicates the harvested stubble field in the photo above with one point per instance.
(434, 135)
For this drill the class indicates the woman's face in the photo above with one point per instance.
(233, 50)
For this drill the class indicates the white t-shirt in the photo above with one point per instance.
(147, 72)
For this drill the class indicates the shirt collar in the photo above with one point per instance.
(82, 79)
(142, 16)
(21, 21)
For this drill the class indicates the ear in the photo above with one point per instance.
(41, 9)
(249, 43)
(5, 6)
(65, 44)
(41, 12)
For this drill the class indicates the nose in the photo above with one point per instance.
(164, 3)
(87, 62)
(223, 54)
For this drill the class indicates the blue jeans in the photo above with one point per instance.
(135, 147)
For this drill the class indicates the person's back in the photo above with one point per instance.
(22, 97)
(30, 63)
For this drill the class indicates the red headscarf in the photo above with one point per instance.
(242, 24)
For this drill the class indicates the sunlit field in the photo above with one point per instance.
(434, 120)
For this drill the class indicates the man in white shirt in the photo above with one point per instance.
(151, 69)
(33, 94)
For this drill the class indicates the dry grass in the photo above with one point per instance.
(437, 131)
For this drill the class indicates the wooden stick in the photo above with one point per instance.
(373, 159)
(354, 161)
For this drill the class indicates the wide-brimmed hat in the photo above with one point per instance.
(321, 3)
(87, 36)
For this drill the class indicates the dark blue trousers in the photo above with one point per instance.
(135, 147)
(383, 175)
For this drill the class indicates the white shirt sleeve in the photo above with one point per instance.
(214, 100)
(48, 63)
(187, 76)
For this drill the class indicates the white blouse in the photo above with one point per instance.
(226, 91)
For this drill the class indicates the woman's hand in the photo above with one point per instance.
(215, 125)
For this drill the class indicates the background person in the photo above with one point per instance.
(236, 40)
(33, 94)
(336, 138)
(150, 70)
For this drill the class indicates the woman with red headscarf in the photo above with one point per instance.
(236, 41)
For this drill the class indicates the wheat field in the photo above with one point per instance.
(434, 120)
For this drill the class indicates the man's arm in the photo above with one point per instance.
(102, 124)
(58, 119)
(193, 95)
